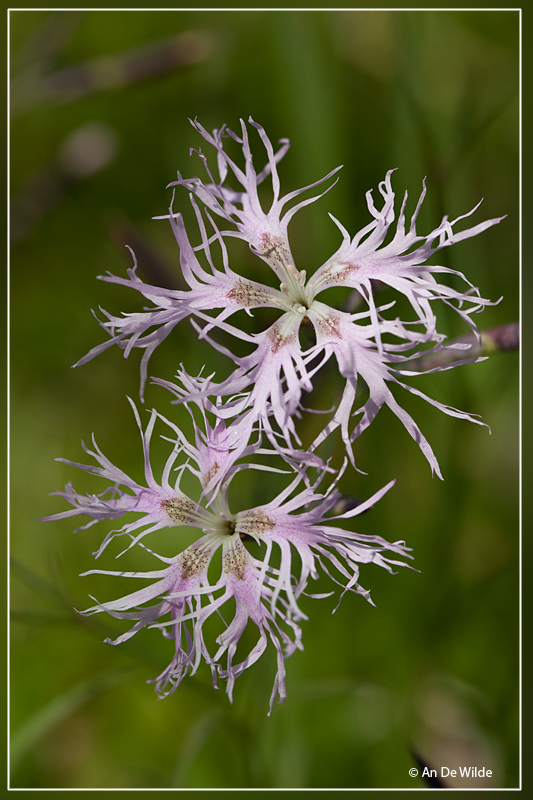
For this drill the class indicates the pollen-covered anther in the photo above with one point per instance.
(193, 561)
(247, 294)
(329, 326)
(278, 339)
(235, 560)
(339, 272)
(255, 523)
(273, 248)
(179, 509)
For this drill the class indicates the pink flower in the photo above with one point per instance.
(220, 566)
(401, 263)
(265, 232)
(267, 384)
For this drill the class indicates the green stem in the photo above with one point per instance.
(494, 340)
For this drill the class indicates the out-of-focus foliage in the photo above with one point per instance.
(100, 101)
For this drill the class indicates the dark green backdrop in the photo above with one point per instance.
(434, 667)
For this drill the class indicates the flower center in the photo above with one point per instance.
(228, 527)
(294, 287)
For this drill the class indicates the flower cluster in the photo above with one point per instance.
(252, 415)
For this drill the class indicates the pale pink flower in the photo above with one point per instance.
(220, 566)
(265, 232)
(401, 263)
(267, 385)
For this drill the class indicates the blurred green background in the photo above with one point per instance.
(100, 101)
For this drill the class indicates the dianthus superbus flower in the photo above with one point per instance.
(233, 559)
(252, 564)
(369, 344)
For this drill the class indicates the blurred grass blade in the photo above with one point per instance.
(47, 42)
(38, 585)
(40, 723)
(196, 739)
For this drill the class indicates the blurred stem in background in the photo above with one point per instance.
(494, 340)
(35, 85)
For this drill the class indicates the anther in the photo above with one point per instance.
(293, 271)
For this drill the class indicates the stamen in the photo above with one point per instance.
(291, 269)
(299, 308)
